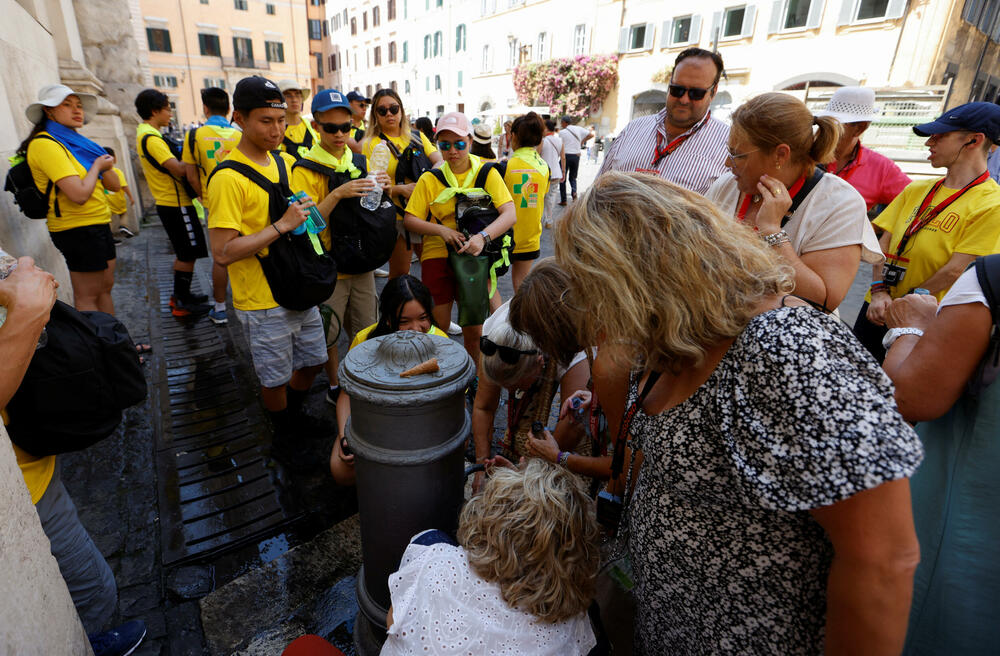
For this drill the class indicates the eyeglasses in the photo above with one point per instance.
(507, 354)
(334, 128)
(678, 91)
(446, 145)
(739, 157)
(391, 109)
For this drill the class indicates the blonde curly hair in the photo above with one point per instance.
(532, 530)
(660, 271)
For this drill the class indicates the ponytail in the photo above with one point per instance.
(825, 142)
(22, 150)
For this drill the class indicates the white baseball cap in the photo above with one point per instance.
(52, 95)
(851, 105)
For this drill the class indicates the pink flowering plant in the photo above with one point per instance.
(576, 86)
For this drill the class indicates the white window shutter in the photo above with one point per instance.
(846, 12)
(815, 14)
(716, 31)
(895, 10)
(749, 18)
(777, 17)
(694, 36)
(623, 40)
(647, 43)
(665, 32)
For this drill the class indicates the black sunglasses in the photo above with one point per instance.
(678, 91)
(334, 128)
(391, 109)
(507, 354)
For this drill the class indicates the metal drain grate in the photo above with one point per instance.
(218, 488)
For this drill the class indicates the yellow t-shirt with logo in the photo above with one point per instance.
(166, 191)
(212, 144)
(970, 225)
(239, 204)
(116, 199)
(401, 142)
(527, 188)
(422, 203)
(36, 470)
(315, 185)
(365, 332)
(51, 161)
(297, 133)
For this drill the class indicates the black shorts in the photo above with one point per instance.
(184, 231)
(86, 249)
(525, 257)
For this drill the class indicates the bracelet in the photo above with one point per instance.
(896, 333)
(777, 238)
(280, 233)
(884, 289)
(877, 283)
(562, 458)
(486, 237)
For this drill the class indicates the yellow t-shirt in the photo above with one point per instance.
(116, 199)
(401, 142)
(970, 225)
(166, 191)
(364, 332)
(37, 471)
(527, 188)
(315, 185)
(239, 204)
(51, 161)
(297, 133)
(212, 144)
(422, 203)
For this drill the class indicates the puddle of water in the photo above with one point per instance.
(273, 547)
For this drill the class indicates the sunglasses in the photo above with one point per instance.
(334, 128)
(446, 145)
(507, 354)
(391, 109)
(678, 91)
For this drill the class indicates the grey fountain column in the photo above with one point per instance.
(408, 436)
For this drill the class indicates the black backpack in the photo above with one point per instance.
(77, 385)
(33, 203)
(412, 163)
(361, 240)
(299, 277)
(175, 149)
(292, 147)
(473, 215)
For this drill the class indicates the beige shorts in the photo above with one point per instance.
(354, 304)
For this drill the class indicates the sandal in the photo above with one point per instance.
(143, 348)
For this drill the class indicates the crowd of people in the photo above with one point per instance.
(752, 461)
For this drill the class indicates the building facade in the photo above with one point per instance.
(194, 44)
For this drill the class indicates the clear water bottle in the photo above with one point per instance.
(7, 265)
(379, 163)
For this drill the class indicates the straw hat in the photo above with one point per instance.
(482, 134)
(288, 85)
(52, 95)
(851, 105)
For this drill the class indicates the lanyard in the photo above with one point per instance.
(855, 158)
(741, 213)
(923, 216)
(659, 154)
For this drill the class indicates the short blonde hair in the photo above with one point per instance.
(533, 531)
(661, 271)
(501, 373)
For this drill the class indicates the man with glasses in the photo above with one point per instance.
(682, 143)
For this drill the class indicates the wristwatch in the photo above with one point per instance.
(896, 333)
(486, 237)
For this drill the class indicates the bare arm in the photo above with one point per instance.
(823, 276)
(880, 300)
(110, 181)
(870, 585)
(176, 168)
(946, 276)
(28, 294)
(435, 158)
(191, 173)
(229, 246)
(568, 432)
(79, 189)
(483, 413)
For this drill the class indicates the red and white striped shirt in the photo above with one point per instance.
(695, 164)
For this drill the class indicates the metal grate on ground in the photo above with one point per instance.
(218, 487)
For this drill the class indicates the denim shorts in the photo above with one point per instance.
(283, 341)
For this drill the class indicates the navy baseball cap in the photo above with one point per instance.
(354, 95)
(975, 117)
(329, 99)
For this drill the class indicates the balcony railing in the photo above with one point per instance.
(245, 62)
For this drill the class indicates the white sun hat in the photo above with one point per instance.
(288, 85)
(851, 105)
(52, 95)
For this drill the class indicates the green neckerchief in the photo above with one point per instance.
(453, 188)
(345, 164)
(531, 157)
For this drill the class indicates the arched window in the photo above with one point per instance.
(437, 82)
(376, 16)
(460, 38)
(392, 52)
(406, 51)
(406, 86)
(486, 59)
(438, 44)
(427, 46)
(354, 25)
(390, 10)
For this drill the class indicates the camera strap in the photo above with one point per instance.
(923, 217)
(618, 460)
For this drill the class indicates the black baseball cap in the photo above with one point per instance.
(354, 95)
(256, 91)
(975, 117)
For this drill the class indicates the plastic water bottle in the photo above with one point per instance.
(315, 223)
(7, 265)
(379, 164)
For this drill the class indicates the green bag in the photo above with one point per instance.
(472, 275)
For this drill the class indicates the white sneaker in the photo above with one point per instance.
(381, 273)
(454, 329)
(415, 259)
